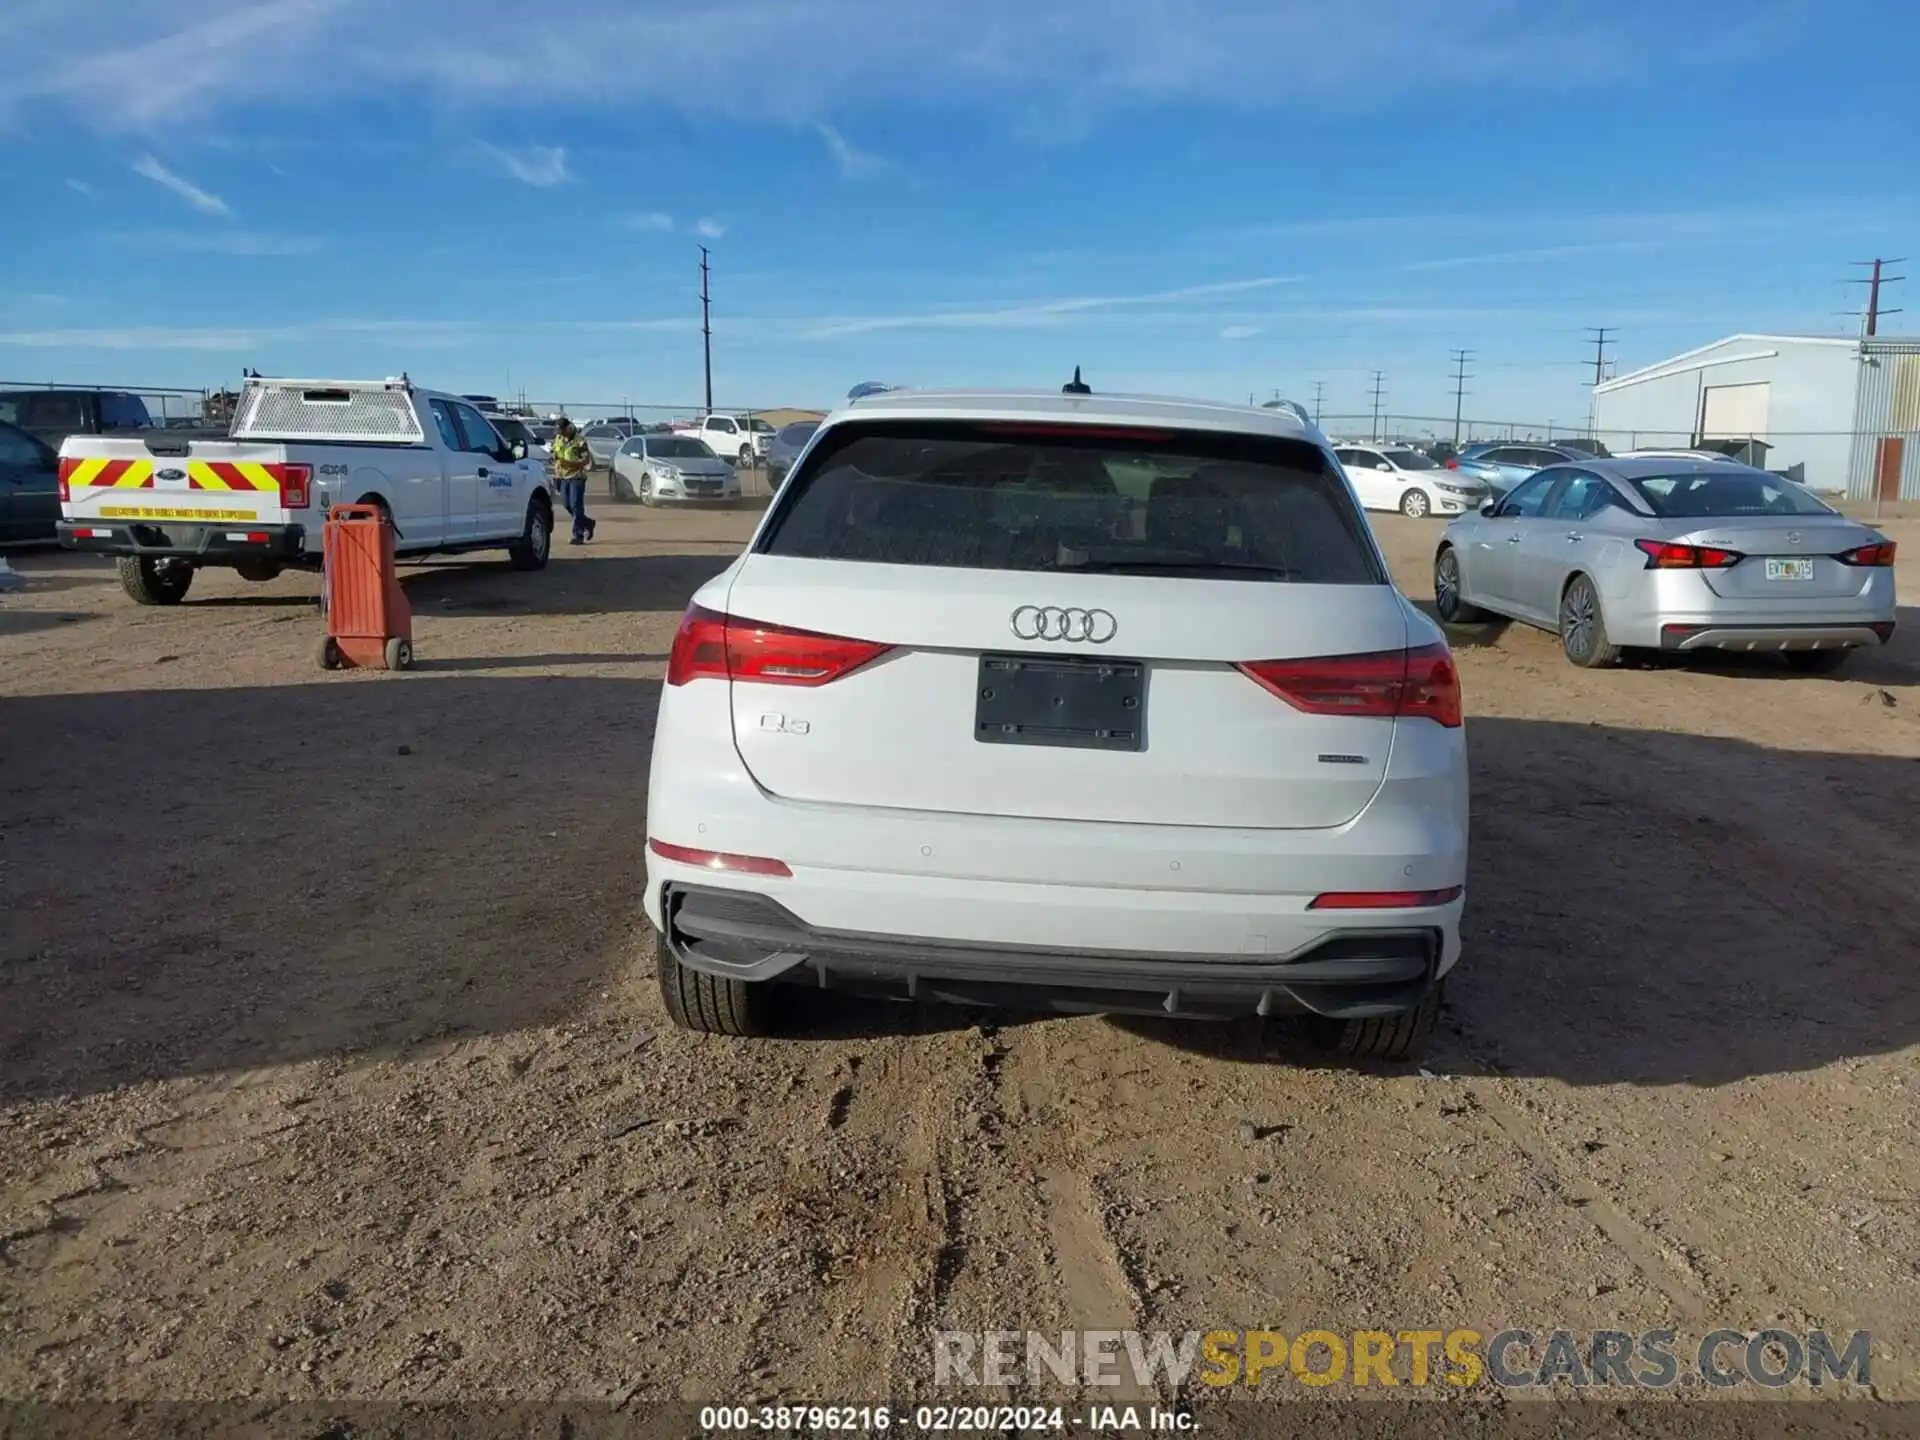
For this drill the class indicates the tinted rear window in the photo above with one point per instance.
(798, 433)
(984, 496)
(1735, 492)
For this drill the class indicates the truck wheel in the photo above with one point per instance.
(258, 571)
(1387, 1037)
(707, 1003)
(399, 654)
(151, 581)
(530, 551)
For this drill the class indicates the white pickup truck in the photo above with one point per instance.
(256, 502)
(741, 441)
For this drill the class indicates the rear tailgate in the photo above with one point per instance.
(160, 479)
(970, 564)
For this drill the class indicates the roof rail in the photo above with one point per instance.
(290, 382)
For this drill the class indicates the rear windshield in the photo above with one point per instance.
(43, 410)
(987, 496)
(798, 432)
(1741, 492)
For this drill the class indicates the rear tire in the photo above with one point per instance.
(1816, 662)
(709, 1004)
(1386, 1037)
(1416, 504)
(1583, 629)
(535, 544)
(155, 582)
(1446, 590)
(258, 571)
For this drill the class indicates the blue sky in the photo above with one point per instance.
(1220, 198)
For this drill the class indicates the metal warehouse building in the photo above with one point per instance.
(1836, 414)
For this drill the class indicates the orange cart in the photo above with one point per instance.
(369, 623)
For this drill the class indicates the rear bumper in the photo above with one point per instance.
(1349, 975)
(1840, 635)
(215, 544)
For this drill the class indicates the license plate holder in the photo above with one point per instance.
(1070, 702)
(1789, 568)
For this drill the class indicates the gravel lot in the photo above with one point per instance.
(329, 1067)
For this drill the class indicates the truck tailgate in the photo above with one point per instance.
(151, 478)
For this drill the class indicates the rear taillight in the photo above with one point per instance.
(719, 859)
(1414, 684)
(1879, 553)
(1453, 463)
(1663, 555)
(294, 480)
(67, 466)
(719, 647)
(1386, 899)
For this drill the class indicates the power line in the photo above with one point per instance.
(1874, 282)
(1319, 393)
(706, 326)
(1379, 382)
(1460, 378)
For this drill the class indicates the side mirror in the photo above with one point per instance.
(519, 449)
(1490, 509)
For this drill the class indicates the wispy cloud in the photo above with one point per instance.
(1239, 332)
(854, 162)
(708, 228)
(202, 200)
(1037, 312)
(539, 165)
(80, 185)
(1003, 57)
(654, 221)
(223, 242)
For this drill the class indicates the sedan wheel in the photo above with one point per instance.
(646, 487)
(1416, 504)
(1446, 590)
(1583, 630)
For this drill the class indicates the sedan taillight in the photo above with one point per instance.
(1877, 554)
(1411, 684)
(710, 645)
(1664, 555)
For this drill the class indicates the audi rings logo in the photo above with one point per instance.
(1053, 622)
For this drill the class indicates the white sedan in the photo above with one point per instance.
(671, 469)
(1393, 477)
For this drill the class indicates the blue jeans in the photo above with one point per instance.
(573, 494)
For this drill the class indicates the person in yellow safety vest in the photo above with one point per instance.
(571, 460)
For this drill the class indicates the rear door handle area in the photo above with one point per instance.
(1514, 539)
(1575, 536)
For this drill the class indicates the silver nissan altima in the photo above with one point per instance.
(1674, 555)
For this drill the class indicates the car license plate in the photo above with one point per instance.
(1789, 569)
(1047, 700)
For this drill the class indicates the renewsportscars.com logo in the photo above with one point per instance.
(1510, 1359)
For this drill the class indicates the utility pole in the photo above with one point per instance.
(1319, 393)
(706, 326)
(1379, 381)
(1874, 282)
(1460, 378)
(1602, 337)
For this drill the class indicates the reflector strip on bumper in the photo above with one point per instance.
(233, 475)
(112, 475)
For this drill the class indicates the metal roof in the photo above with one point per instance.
(1093, 409)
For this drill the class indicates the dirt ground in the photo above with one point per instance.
(329, 1066)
